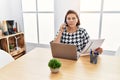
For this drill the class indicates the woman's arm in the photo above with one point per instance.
(58, 37)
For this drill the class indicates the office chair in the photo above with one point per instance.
(5, 58)
(118, 52)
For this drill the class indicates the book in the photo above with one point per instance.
(10, 24)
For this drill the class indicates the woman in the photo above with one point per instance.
(71, 33)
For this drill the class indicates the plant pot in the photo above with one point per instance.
(11, 46)
(54, 70)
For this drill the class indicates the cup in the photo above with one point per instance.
(93, 57)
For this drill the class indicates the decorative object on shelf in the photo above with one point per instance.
(11, 46)
(16, 41)
(5, 29)
(0, 32)
(1, 29)
(54, 65)
(15, 27)
(9, 27)
(10, 24)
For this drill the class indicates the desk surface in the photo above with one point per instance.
(34, 66)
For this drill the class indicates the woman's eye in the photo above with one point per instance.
(68, 18)
(73, 18)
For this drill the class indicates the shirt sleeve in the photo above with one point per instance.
(56, 34)
(85, 37)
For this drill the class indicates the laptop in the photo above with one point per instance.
(66, 51)
(69, 51)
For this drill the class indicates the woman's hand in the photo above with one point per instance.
(58, 37)
(62, 27)
(99, 50)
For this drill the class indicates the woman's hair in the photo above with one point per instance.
(72, 12)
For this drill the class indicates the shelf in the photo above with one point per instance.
(2, 37)
(16, 52)
(13, 40)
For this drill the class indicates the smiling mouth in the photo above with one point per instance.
(71, 24)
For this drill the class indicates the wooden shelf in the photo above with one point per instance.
(12, 35)
(16, 52)
(16, 40)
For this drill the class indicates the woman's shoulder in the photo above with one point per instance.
(81, 29)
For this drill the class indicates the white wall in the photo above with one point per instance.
(5, 9)
(11, 10)
(61, 7)
(17, 12)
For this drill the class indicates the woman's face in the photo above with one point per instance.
(71, 20)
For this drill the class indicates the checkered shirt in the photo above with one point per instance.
(79, 38)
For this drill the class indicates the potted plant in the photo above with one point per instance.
(11, 46)
(54, 65)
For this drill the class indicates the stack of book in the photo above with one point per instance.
(9, 27)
